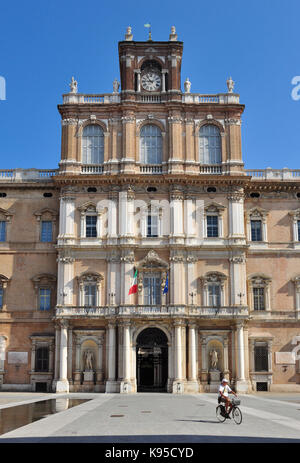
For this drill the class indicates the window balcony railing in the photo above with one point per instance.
(92, 169)
(213, 169)
(151, 169)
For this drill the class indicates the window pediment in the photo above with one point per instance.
(90, 277)
(44, 279)
(214, 277)
(5, 215)
(257, 213)
(46, 213)
(259, 280)
(214, 208)
(152, 262)
(4, 281)
(295, 214)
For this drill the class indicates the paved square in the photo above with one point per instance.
(165, 418)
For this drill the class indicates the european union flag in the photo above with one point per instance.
(166, 288)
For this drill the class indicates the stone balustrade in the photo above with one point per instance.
(273, 174)
(153, 311)
(26, 175)
(112, 98)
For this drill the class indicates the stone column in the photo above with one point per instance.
(238, 280)
(56, 359)
(113, 296)
(176, 207)
(178, 384)
(33, 355)
(176, 280)
(70, 355)
(99, 367)
(163, 84)
(77, 376)
(63, 385)
(191, 284)
(65, 281)
(242, 385)
(67, 218)
(193, 385)
(127, 262)
(126, 386)
(226, 359)
(112, 233)
(111, 384)
(204, 367)
(3, 340)
(236, 215)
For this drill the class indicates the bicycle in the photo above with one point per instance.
(235, 412)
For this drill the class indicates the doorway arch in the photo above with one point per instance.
(152, 360)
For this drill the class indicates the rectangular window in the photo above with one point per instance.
(91, 226)
(214, 295)
(1, 298)
(256, 230)
(90, 295)
(2, 231)
(261, 358)
(42, 359)
(259, 298)
(152, 226)
(152, 290)
(46, 231)
(212, 226)
(298, 228)
(45, 299)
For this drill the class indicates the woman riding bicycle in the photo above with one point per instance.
(223, 396)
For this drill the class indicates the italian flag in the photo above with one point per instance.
(134, 287)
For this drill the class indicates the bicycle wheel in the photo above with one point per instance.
(219, 415)
(237, 415)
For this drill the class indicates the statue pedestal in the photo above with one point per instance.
(88, 376)
(215, 380)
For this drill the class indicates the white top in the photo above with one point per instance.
(225, 390)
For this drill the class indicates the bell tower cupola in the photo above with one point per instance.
(150, 68)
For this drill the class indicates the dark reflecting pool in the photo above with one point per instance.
(14, 417)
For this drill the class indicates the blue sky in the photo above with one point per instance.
(44, 43)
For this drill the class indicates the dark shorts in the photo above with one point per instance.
(221, 399)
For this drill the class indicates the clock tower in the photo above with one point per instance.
(150, 69)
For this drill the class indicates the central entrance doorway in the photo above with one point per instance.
(152, 361)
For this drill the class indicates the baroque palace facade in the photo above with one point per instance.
(151, 182)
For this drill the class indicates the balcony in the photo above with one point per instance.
(273, 174)
(155, 311)
(212, 169)
(80, 98)
(92, 169)
(151, 169)
(26, 175)
(158, 97)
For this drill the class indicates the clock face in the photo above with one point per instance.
(151, 81)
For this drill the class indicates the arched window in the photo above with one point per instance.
(210, 145)
(92, 145)
(150, 145)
